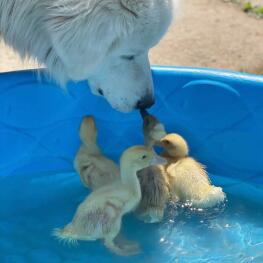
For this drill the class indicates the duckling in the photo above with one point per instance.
(99, 216)
(153, 180)
(95, 169)
(153, 129)
(188, 178)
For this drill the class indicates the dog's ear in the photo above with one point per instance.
(82, 34)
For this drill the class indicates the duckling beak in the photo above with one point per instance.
(144, 113)
(159, 143)
(158, 160)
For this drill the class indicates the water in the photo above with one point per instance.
(31, 206)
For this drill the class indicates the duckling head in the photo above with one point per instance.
(139, 157)
(88, 130)
(174, 145)
(153, 129)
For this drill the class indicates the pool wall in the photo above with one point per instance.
(220, 113)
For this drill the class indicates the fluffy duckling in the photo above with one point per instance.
(188, 178)
(153, 180)
(99, 216)
(94, 168)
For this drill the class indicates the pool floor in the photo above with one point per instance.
(31, 206)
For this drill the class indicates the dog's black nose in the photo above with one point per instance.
(145, 103)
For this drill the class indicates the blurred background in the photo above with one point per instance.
(224, 34)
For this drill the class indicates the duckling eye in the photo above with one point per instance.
(166, 142)
(144, 157)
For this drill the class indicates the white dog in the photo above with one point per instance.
(103, 41)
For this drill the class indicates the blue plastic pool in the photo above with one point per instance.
(219, 113)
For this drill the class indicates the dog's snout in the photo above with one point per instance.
(145, 102)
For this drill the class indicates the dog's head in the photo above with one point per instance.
(107, 42)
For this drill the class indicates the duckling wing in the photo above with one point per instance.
(96, 221)
(98, 213)
(105, 170)
(121, 194)
(188, 166)
(96, 170)
(188, 179)
(154, 186)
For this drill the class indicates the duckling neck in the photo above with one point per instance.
(92, 148)
(148, 142)
(171, 159)
(129, 178)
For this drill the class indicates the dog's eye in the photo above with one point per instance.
(128, 57)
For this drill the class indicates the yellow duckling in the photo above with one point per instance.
(99, 216)
(94, 168)
(153, 180)
(188, 178)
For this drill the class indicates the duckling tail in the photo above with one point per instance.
(65, 236)
(214, 197)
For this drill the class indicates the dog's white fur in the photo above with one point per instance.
(103, 41)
